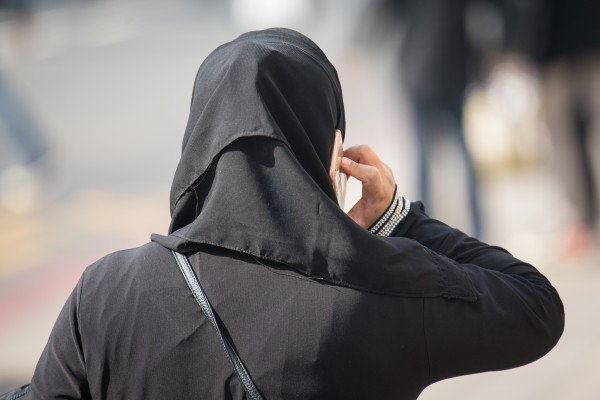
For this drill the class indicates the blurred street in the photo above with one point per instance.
(109, 83)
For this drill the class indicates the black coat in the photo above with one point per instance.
(132, 330)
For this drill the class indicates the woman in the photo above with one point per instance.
(316, 305)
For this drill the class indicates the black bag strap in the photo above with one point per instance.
(16, 394)
(202, 300)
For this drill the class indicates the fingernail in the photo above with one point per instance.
(346, 162)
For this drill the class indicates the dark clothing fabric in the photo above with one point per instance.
(316, 306)
(436, 56)
(131, 329)
(571, 29)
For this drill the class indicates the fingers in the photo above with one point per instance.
(363, 172)
(362, 163)
(378, 183)
(362, 154)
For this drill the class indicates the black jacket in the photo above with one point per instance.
(132, 330)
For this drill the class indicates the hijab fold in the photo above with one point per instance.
(253, 173)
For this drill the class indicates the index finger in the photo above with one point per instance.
(363, 172)
(362, 154)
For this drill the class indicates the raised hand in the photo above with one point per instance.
(378, 184)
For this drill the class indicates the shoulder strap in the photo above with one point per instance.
(202, 300)
(16, 394)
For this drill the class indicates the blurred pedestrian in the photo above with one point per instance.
(569, 56)
(436, 65)
(445, 48)
(23, 132)
(22, 177)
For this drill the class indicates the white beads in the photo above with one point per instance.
(386, 216)
(397, 211)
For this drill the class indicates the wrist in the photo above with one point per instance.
(392, 217)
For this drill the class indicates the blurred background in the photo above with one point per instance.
(485, 109)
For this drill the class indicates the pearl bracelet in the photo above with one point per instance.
(397, 211)
(397, 217)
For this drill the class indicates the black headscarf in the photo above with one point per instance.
(253, 172)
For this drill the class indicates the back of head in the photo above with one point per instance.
(253, 172)
(275, 84)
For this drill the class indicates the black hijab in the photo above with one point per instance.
(253, 173)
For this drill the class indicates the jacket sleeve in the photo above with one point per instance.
(517, 318)
(61, 371)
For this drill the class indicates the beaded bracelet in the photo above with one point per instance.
(387, 214)
(397, 217)
(396, 212)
